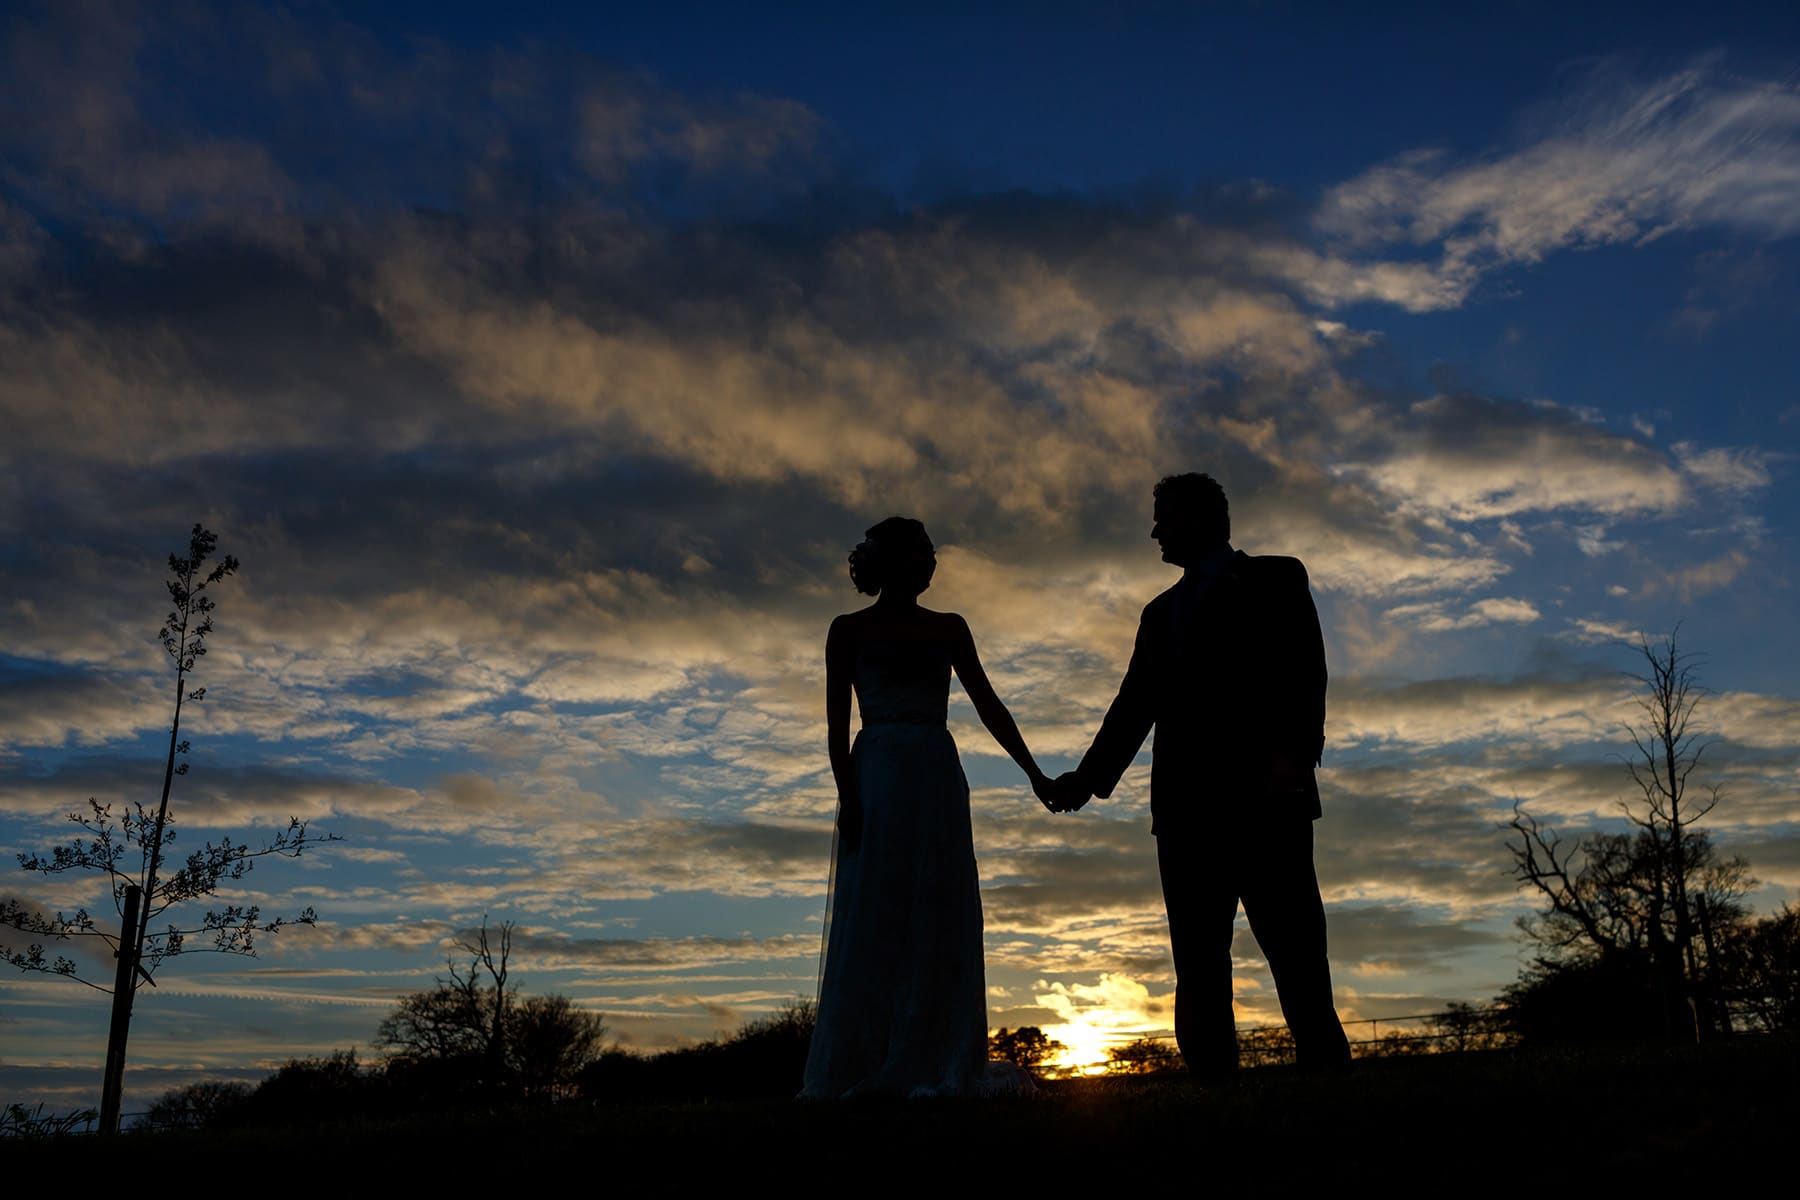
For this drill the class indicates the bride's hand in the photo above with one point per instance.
(849, 822)
(1043, 787)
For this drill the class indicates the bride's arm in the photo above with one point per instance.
(988, 707)
(837, 729)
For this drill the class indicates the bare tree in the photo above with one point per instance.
(488, 1003)
(142, 892)
(441, 1024)
(1661, 893)
(475, 1023)
(461, 1016)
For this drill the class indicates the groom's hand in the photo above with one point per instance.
(1068, 792)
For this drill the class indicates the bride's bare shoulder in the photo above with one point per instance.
(946, 624)
(851, 624)
(854, 618)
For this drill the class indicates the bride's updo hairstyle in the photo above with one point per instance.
(896, 556)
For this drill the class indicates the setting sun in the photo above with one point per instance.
(1094, 1018)
(1084, 1047)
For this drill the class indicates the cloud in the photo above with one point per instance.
(1622, 160)
(209, 798)
(1114, 1003)
(421, 118)
(1766, 722)
(1726, 469)
(1689, 582)
(1547, 710)
(1591, 629)
(1593, 542)
(545, 951)
(1432, 616)
(1407, 938)
(55, 708)
(626, 122)
(93, 135)
(1470, 458)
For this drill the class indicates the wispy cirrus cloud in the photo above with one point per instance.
(1623, 159)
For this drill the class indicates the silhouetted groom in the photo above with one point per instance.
(1230, 668)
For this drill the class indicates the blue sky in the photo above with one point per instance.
(541, 369)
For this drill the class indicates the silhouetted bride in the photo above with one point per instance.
(902, 996)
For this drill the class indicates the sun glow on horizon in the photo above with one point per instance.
(1086, 1044)
(1096, 1018)
(1084, 1047)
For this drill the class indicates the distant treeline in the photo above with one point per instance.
(764, 1058)
(468, 1045)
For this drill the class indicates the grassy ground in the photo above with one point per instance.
(1457, 1124)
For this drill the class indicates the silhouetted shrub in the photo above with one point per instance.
(319, 1090)
(439, 1084)
(549, 1042)
(618, 1075)
(1144, 1056)
(765, 1058)
(210, 1104)
(1028, 1046)
(1763, 970)
(1615, 998)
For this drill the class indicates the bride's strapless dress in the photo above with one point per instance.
(902, 993)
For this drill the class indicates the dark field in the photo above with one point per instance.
(1456, 1124)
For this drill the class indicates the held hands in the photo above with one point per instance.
(1071, 793)
(1065, 793)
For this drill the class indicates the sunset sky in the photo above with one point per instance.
(541, 368)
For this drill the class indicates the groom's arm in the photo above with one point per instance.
(1132, 714)
(1303, 723)
(1298, 711)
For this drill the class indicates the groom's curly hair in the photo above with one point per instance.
(896, 553)
(1198, 498)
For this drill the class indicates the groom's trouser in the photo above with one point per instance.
(1267, 864)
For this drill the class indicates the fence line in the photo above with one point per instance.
(1415, 1033)
(1488, 1015)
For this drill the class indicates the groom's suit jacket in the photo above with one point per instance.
(1230, 670)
